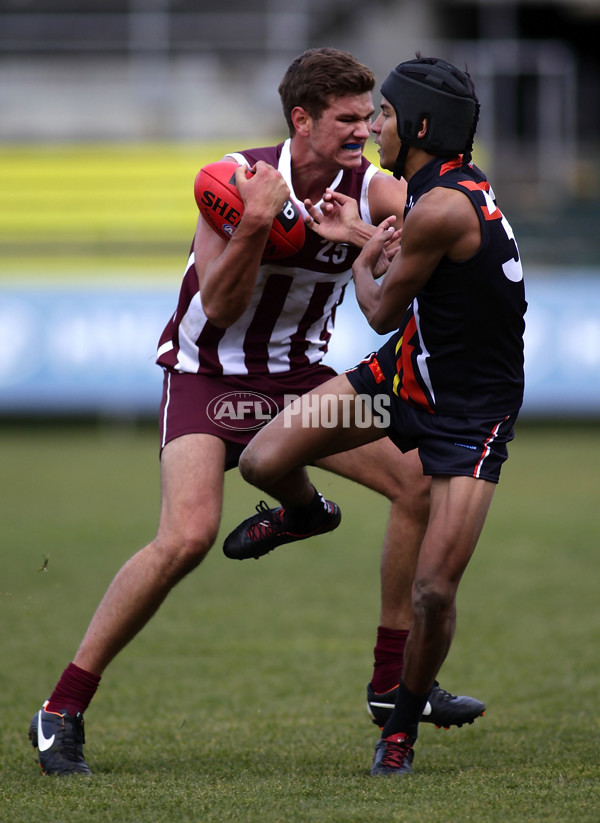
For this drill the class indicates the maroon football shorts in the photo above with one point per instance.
(232, 408)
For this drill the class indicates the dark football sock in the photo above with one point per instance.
(389, 658)
(407, 713)
(74, 690)
(306, 518)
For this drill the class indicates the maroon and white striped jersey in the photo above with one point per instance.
(291, 314)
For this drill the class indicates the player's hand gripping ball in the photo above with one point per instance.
(221, 206)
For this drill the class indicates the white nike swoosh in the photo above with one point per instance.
(44, 743)
(426, 711)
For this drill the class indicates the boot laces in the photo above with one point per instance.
(73, 737)
(271, 524)
(442, 694)
(396, 753)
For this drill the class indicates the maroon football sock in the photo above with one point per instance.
(74, 690)
(389, 658)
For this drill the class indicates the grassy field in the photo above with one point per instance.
(244, 698)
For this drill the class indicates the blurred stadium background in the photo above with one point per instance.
(110, 107)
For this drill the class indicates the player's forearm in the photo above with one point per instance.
(383, 305)
(368, 294)
(229, 281)
(359, 233)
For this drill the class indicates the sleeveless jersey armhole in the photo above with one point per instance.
(365, 211)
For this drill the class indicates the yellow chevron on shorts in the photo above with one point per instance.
(396, 381)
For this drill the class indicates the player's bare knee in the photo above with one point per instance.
(196, 547)
(415, 495)
(190, 554)
(407, 486)
(432, 601)
(248, 465)
(254, 469)
(185, 549)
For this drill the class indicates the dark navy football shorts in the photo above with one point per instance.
(451, 446)
(230, 407)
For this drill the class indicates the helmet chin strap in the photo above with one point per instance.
(398, 169)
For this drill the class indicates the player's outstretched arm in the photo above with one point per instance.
(443, 223)
(337, 219)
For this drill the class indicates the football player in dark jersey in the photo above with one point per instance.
(449, 382)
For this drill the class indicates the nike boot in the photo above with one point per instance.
(59, 739)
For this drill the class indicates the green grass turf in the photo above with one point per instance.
(244, 698)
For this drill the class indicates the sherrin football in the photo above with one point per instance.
(221, 206)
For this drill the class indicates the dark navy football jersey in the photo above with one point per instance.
(459, 350)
